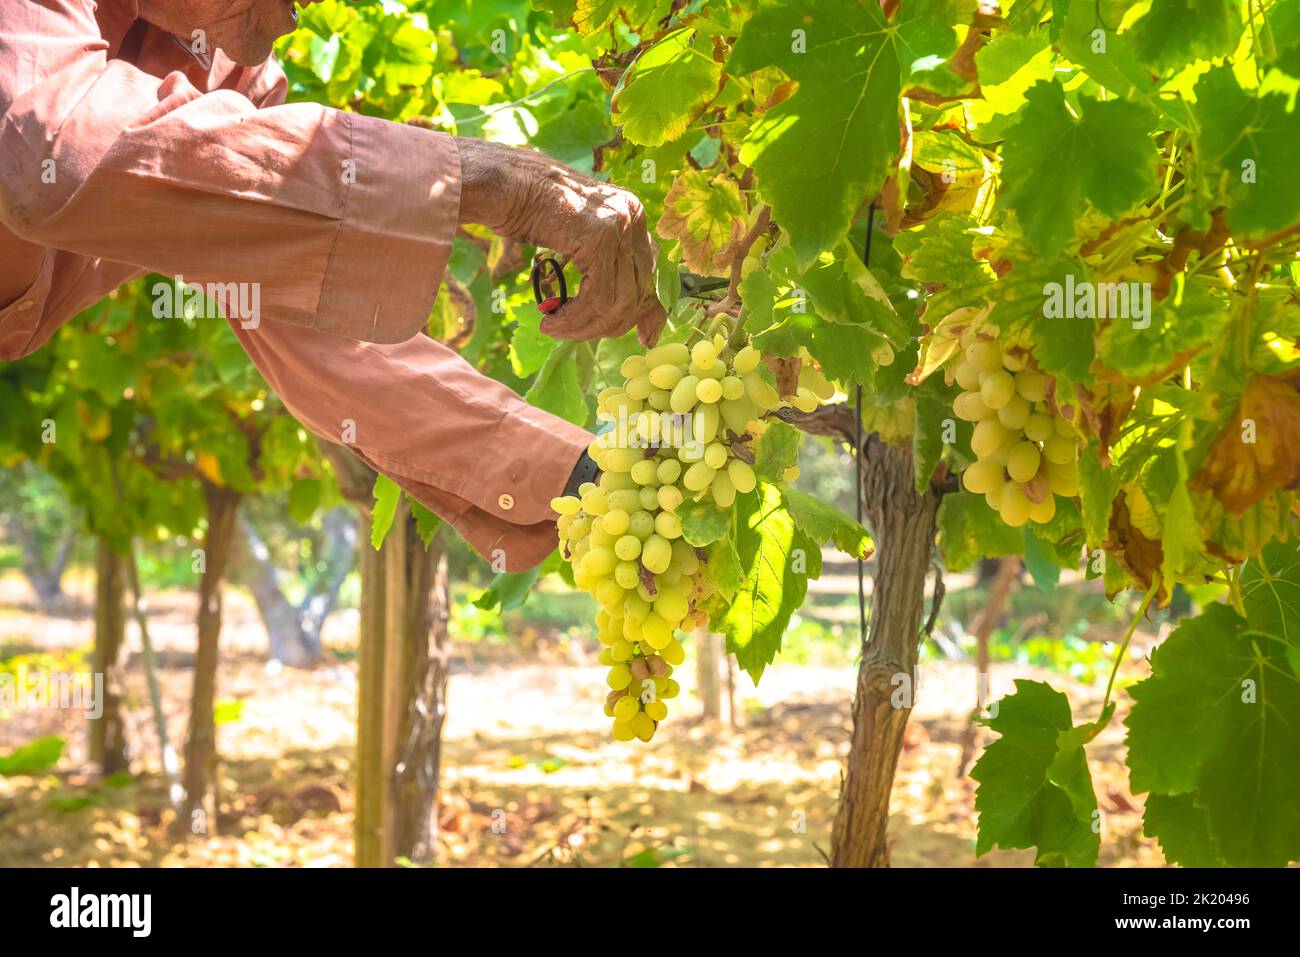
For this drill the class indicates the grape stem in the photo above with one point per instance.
(1123, 648)
(732, 298)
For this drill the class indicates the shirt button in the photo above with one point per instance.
(24, 305)
(507, 502)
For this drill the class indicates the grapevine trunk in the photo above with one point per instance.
(903, 524)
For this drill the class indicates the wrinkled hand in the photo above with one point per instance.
(526, 196)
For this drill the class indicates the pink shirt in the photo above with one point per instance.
(163, 163)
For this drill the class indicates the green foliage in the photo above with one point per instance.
(1212, 729)
(1035, 789)
(32, 758)
(775, 560)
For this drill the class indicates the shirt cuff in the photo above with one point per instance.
(399, 221)
(536, 452)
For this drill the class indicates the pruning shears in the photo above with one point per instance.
(548, 276)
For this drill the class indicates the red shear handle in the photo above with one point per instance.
(545, 304)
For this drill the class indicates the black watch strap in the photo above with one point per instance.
(585, 471)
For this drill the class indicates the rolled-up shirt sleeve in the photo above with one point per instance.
(344, 221)
(464, 445)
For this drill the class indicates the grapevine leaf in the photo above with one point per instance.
(1097, 488)
(529, 346)
(1180, 536)
(304, 498)
(1283, 22)
(592, 16)
(825, 523)
(1182, 828)
(1173, 33)
(970, 530)
(1177, 325)
(1112, 59)
(1270, 591)
(1041, 567)
(724, 567)
(1220, 718)
(1112, 162)
(508, 590)
(820, 152)
(927, 438)
(843, 290)
(1034, 785)
(666, 89)
(776, 450)
(427, 521)
(770, 590)
(703, 522)
(1000, 59)
(556, 388)
(1241, 473)
(386, 493)
(707, 218)
(1252, 142)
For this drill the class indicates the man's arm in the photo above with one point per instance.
(464, 445)
(344, 221)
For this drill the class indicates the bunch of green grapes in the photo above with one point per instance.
(683, 418)
(1026, 454)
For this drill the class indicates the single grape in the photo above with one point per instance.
(566, 505)
(1031, 385)
(684, 397)
(967, 376)
(668, 471)
(708, 390)
(1014, 505)
(668, 525)
(724, 492)
(656, 554)
(1022, 462)
(698, 477)
(1039, 427)
(747, 360)
(983, 477)
(643, 726)
(644, 472)
(1043, 512)
(997, 388)
(672, 652)
(971, 407)
(1060, 450)
(983, 355)
(742, 476)
(666, 376)
(670, 354)
(625, 708)
(670, 496)
(1015, 413)
(627, 549)
(615, 521)
(988, 437)
(641, 524)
